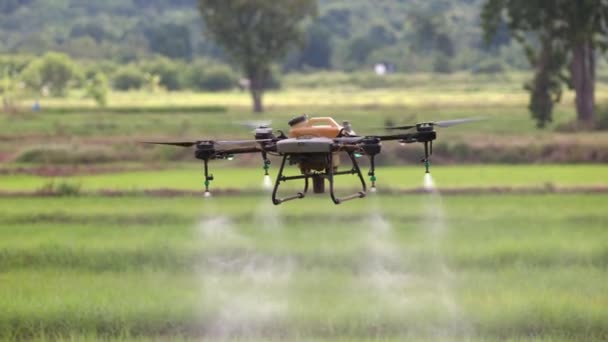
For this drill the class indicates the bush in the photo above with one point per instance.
(53, 72)
(489, 66)
(210, 77)
(97, 89)
(442, 64)
(167, 70)
(128, 78)
(63, 155)
(602, 120)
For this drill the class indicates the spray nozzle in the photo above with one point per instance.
(373, 179)
(266, 166)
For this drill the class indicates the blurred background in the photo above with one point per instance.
(105, 238)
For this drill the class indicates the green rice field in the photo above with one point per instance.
(411, 267)
(190, 177)
(103, 238)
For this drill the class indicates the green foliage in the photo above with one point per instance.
(52, 72)
(167, 70)
(602, 123)
(490, 66)
(442, 64)
(561, 39)
(97, 89)
(128, 77)
(203, 75)
(170, 39)
(256, 33)
(9, 89)
(63, 155)
(62, 188)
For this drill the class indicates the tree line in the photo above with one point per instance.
(559, 40)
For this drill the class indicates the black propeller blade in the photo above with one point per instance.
(218, 142)
(172, 143)
(450, 123)
(442, 124)
(400, 127)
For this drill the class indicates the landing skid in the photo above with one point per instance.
(329, 174)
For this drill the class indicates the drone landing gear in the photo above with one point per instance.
(281, 178)
(319, 181)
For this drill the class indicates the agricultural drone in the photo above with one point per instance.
(314, 144)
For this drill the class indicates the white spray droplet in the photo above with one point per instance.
(429, 183)
(267, 184)
(207, 194)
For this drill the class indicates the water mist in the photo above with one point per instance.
(439, 274)
(246, 288)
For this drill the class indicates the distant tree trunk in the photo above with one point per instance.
(541, 101)
(256, 96)
(583, 80)
(256, 88)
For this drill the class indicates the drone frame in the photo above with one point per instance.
(328, 174)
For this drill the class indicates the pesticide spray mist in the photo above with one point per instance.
(399, 285)
(439, 274)
(246, 289)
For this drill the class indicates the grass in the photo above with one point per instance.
(494, 267)
(189, 177)
(74, 123)
(389, 268)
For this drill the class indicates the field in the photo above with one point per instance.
(478, 267)
(104, 238)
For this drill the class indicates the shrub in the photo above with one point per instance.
(61, 189)
(97, 89)
(63, 155)
(128, 78)
(211, 77)
(52, 72)
(167, 70)
(442, 64)
(602, 120)
(489, 66)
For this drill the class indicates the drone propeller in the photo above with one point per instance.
(442, 124)
(450, 123)
(253, 124)
(218, 142)
(172, 143)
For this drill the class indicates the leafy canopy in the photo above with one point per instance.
(255, 32)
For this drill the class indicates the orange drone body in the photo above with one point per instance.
(322, 127)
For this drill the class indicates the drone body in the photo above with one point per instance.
(315, 145)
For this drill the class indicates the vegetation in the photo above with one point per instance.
(255, 34)
(143, 268)
(565, 35)
(51, 73)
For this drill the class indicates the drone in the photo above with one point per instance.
(314, 145)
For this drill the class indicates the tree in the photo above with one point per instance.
(53, 72)
(562, 38)
(170, 40)
(255, 33)
(97, 89)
